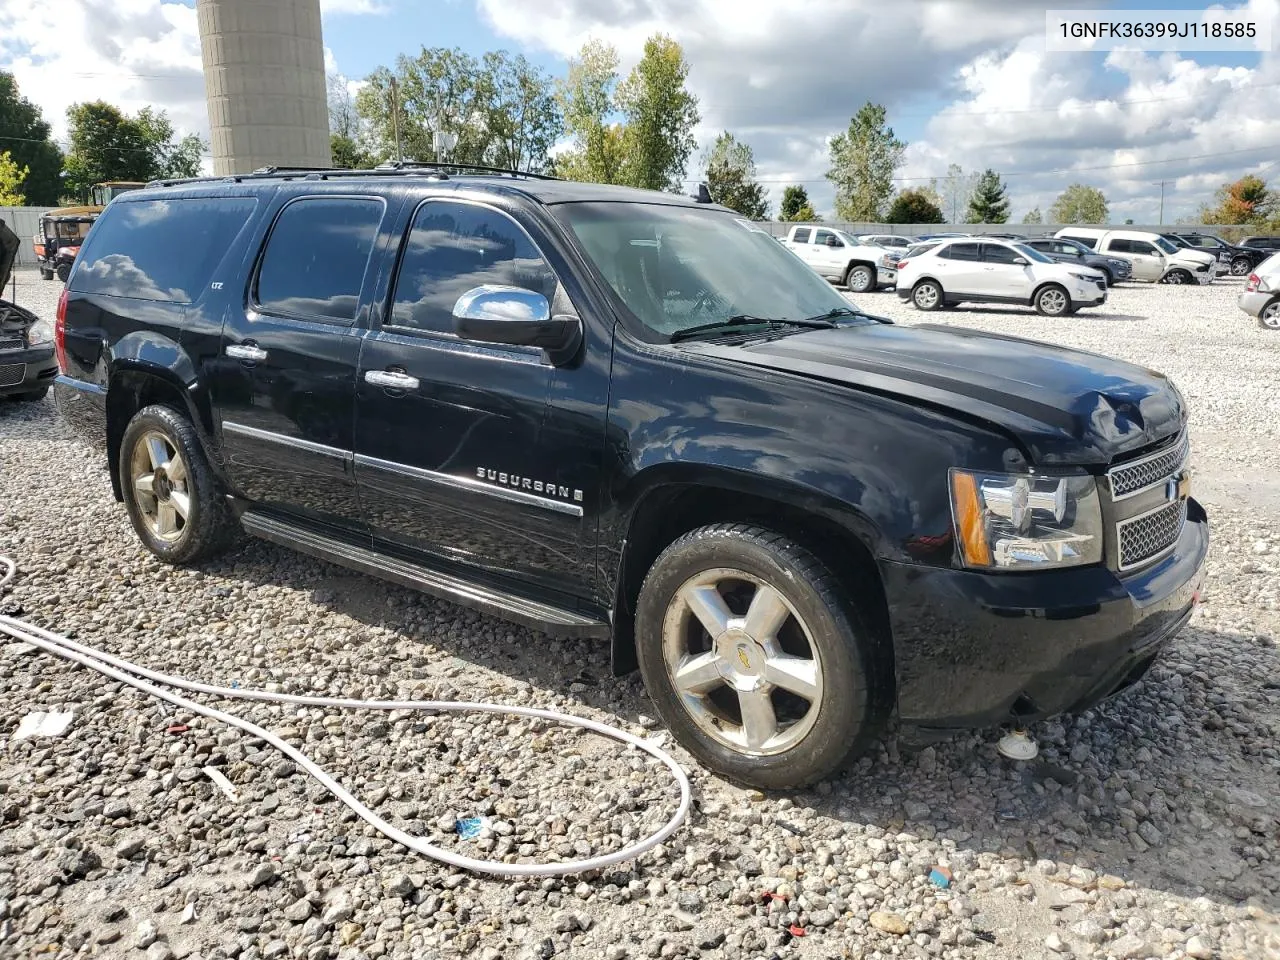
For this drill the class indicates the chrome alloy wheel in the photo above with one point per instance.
(160, 486)
(1270, 315)
(1053, 301)
(926, 296)
(742, 662)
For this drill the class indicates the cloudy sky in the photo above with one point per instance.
(964, 81)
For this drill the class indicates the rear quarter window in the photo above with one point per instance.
(163, 250)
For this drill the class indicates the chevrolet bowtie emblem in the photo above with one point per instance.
(1178, 487)
(742, 655)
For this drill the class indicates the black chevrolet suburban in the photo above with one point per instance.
(614, 413)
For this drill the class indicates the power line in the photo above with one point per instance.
(1079, 105)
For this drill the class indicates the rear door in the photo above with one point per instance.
(800, 244)
(1146, 259)
(962, 269)
(285, 383)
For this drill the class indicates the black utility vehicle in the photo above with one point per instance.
(1115, 269)
(1240, 260)
(632, 415)
(27, 367)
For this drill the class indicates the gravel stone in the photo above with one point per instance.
(1169, 785)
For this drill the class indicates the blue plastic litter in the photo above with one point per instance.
(940, 878)
(469, 827)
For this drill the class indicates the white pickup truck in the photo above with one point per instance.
(840, 257)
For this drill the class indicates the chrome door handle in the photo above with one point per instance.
(246, 351)
(391, 380)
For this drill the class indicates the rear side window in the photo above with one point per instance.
(1089, 242)
(315, 260)
(161, 250)
(1120, 246)
(960, 251)
(454, 247)
(801, 235)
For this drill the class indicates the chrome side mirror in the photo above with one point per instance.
(516, 317)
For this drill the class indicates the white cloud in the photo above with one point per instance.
(785, 77)
(131, 53)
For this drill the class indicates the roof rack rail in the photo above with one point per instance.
(390, 168)
(409, 165)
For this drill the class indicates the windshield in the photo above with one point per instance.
(1165, 245)
(679, 267)
(1032, 253)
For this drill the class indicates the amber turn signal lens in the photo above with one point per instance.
(968, 510)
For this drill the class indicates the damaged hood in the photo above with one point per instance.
(1064, 406)
(9, 244)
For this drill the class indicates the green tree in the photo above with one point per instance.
(794, 199)
(586, 97)
(731, 177)
(863, 160)
(917, 205)
(496, 111)
(12, 180)
(1079, 204)
(988, 203)
(1033, 216)
(1246, 201)
(660, 116)
(25, 135)
(107, 144)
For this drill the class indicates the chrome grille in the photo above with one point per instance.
(10, 344)
(11, 373)
(1144, 537)
(1130, 478)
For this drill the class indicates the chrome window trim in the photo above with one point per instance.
(297, 443)
(470, 485)
(1183, 442)
(1145, 561)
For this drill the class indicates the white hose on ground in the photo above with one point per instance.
(129, 673)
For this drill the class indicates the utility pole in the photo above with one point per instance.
(395, 115)
(1162, 183)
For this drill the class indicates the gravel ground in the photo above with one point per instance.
(1150, 827)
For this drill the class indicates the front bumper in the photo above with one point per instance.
(22, 371)
(1086, 294)
(974, 649)
(1253, 302)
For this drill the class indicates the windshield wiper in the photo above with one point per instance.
(831, 315)
(737, 320)
(744, 319)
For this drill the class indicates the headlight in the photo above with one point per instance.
(1087, 277)
(40, 332)
(1020, 522)
(1119, 263)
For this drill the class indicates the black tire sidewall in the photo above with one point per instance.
(846, 716)
(206, 522)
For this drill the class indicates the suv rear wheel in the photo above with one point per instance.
(927, 295)
(170, 490)
(1269, 318)
(754, 659)
(860, 278)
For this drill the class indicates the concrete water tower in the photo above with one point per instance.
(265, 84)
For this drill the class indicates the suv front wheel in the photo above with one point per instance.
(170, 491)
(755, 660)
(1053, 301)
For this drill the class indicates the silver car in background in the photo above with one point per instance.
(1261, 294)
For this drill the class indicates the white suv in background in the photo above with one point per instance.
(1261, 295)
(997, 271)
(1154, 258)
